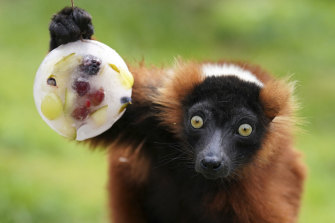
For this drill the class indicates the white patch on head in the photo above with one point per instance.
(230, 70)
(123, 159)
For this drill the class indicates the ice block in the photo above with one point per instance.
(82, 88)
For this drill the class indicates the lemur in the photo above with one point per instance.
(202, 142)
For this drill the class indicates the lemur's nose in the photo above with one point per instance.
(211, 163)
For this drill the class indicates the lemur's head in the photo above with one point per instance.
(226, 111)
(224, 123)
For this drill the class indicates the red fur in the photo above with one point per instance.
(268, 189)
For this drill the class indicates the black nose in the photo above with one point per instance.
(211, 163)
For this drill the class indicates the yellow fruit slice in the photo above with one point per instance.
(100, 115)
(67, 129)
(65, 60)
(51, 106)
(127, 80)
(70, 98)
(64, 68)
(114, 67)
(124, 106)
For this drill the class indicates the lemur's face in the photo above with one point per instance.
(224, 124)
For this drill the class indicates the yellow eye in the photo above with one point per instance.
(245, 130)
(197, 122)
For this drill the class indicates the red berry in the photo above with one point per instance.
(88, 103)
(97, 97)
(81, 87)
(80, 113)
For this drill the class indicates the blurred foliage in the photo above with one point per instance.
(44, 178)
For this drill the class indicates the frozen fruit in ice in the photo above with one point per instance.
(52, 81)
(65, 61)
(123, 107)
(97, 97)
(80, 113)
(90, 65)
(64, 67)
(100, 116)
(114, 67)
(125, 100)
(70, 99)
(51, 106)
(88, 103)
(68, 129)
(78, 88)
(81, 87)
(127, 79)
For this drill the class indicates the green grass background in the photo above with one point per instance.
(45, 178)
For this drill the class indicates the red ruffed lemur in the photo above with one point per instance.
(201, 142)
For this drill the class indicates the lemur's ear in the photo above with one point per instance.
(275, 97)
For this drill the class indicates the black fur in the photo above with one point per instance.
(224, 103)
(70, 25)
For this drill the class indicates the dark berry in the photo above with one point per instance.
(125, 100)
(51, 81)
(90, 65)
(81, 87)
(97, 97)
(80, 113)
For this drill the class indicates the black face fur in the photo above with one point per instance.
(223, 103)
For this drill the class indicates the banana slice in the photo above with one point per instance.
(80, 89)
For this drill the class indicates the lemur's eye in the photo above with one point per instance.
(245, 130)
(197, 122)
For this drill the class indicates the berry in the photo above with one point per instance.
(88, 103)
(51, 81)
(81, 87)
(90, 65)
(97, 97)
(125, 100)
(80, 113)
